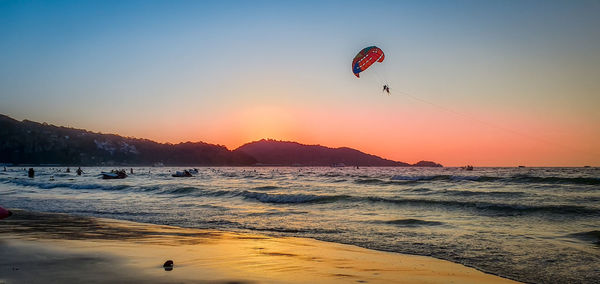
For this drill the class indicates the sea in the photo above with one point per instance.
(537, 225)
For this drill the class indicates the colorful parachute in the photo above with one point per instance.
(366, 58)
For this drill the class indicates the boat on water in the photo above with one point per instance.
(185, 173)
(467, 168)
(120, 174)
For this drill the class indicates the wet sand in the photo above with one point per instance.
(59, 248)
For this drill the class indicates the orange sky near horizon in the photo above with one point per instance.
(482, 90)
(408, 134)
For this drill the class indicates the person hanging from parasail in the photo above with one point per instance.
(386, 88)
(365, 58)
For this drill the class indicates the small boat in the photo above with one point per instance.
(185, 173)
(467, 168)
(521, 166)
(114, 174)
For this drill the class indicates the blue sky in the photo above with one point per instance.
(182, 70)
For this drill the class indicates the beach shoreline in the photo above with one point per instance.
(69, 249)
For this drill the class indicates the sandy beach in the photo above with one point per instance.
(42, 247)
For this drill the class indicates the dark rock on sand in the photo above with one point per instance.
(168, 266)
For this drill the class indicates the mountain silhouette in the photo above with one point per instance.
(286, 153)
(29, 142)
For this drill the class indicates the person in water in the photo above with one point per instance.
(79, 171)
(31, 173)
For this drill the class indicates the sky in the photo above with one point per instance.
(487, 83)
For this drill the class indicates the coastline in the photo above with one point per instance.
(35, 247)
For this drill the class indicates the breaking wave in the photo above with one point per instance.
(513, 179)
(411, 222)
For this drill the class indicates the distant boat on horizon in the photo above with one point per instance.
(521, 166)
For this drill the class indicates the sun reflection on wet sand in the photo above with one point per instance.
(136, 252)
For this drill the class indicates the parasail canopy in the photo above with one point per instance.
(365, 58)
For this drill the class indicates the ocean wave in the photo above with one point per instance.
(484, 193)
(266, 187)
(378, 181)
(158, 189)
(258, 176)
(466, 193)
(275, 213)
(411, 222)
(220, 222)
(497, 207)
(420, 190)
(149, 188)
(590, 236)
(370, 181)
(418, 178)
(181, 190)
(401, 180)
(515, 179)
(71, 185)
(562, 180)
(311, 230)
(482, 206)
(332, 174)
(99, 212)
(291, 198)
(450, 178)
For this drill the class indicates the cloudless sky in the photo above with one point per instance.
(488, 83)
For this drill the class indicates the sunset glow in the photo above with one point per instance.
(489, 92)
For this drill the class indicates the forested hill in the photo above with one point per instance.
(285, 153)
(28, 142)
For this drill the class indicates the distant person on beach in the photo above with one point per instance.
(31, 173)
(79, 171)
